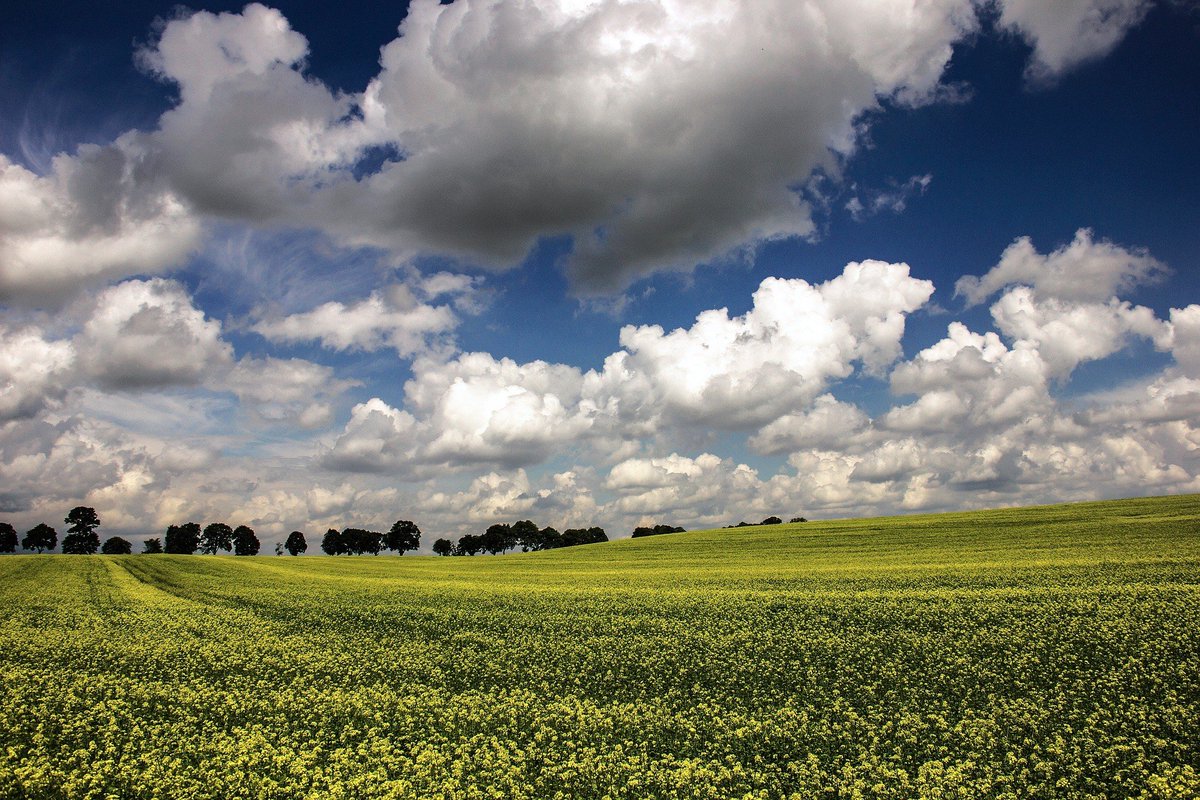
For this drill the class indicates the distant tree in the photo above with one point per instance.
(357, 541)
(279, 548)
(469, 544)
(245, 543)
(498, 538)
(296, 543)
(40, 537)
(81, 538)
(8, 538)
(549, 538)
(526, 535)
(799, 519)
(332, 543)
(152, 546)
(577, 536)
(657, 530)
(403, 536)
(116, 546)
(772, 521)
(183, 539)
(443, 547)
(216, 536)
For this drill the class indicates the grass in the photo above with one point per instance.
(1020, 653)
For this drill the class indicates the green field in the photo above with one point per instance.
(1037, 653)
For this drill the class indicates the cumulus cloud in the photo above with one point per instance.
(1084, 271)
(722, 372)
(147, 334)
(99, 215)
(1067, 33)
(393, 317)
(657, 135)
(286, 391)
(34, 371)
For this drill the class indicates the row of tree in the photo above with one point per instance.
(404, 535)
(502, 537)
(657, 530)
(81, 538)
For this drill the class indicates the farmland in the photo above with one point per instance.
(1049, 652)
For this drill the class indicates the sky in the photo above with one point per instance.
(594, 262)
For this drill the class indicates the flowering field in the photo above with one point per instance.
(1037, 653)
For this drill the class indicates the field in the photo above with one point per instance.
(1050, 652)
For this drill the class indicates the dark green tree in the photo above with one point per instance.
(40, 537)
(469, 544)
(296, 543)
(403, 536)
(216, 536)
(657, 530)
(332, 543)
(772, 521)
(81, 538)
(526, 535)
(152, 546)
(245, 543)
(498, 538)
(358, 541)
(8, 538)
(549, 538)
(183, 539)
(116, 546)
(443, 547)
(577, 536)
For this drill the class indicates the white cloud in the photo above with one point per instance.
(1084, 271)
(1067, 33)
(99, 215)
(148, 334)
(1067, 333)
(286, 391)
(723, 372)
(393, 317)
(894, 199)
(827, 424)
(34, 372)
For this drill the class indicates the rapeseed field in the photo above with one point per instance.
(1049, 652)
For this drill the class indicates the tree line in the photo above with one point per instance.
(190, 537)
(502, 537)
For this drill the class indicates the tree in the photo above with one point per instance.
(332, 543)
(526, 535)
(799, 519)
(296, 543)
(217, 536)
(403, 536)
(8, 538)
(772, 521)
(469, 544)
(657, 530)
(357, 541)
(116, 546)
(498, 538)
(245, 543)
(575, 536)
(81, 538)
(443, 547)
(152, 546)
(40, 537)
(183, 539)
(549, 538)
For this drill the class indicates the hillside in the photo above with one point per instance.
(1040, 652)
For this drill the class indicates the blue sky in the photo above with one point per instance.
(587, 263)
